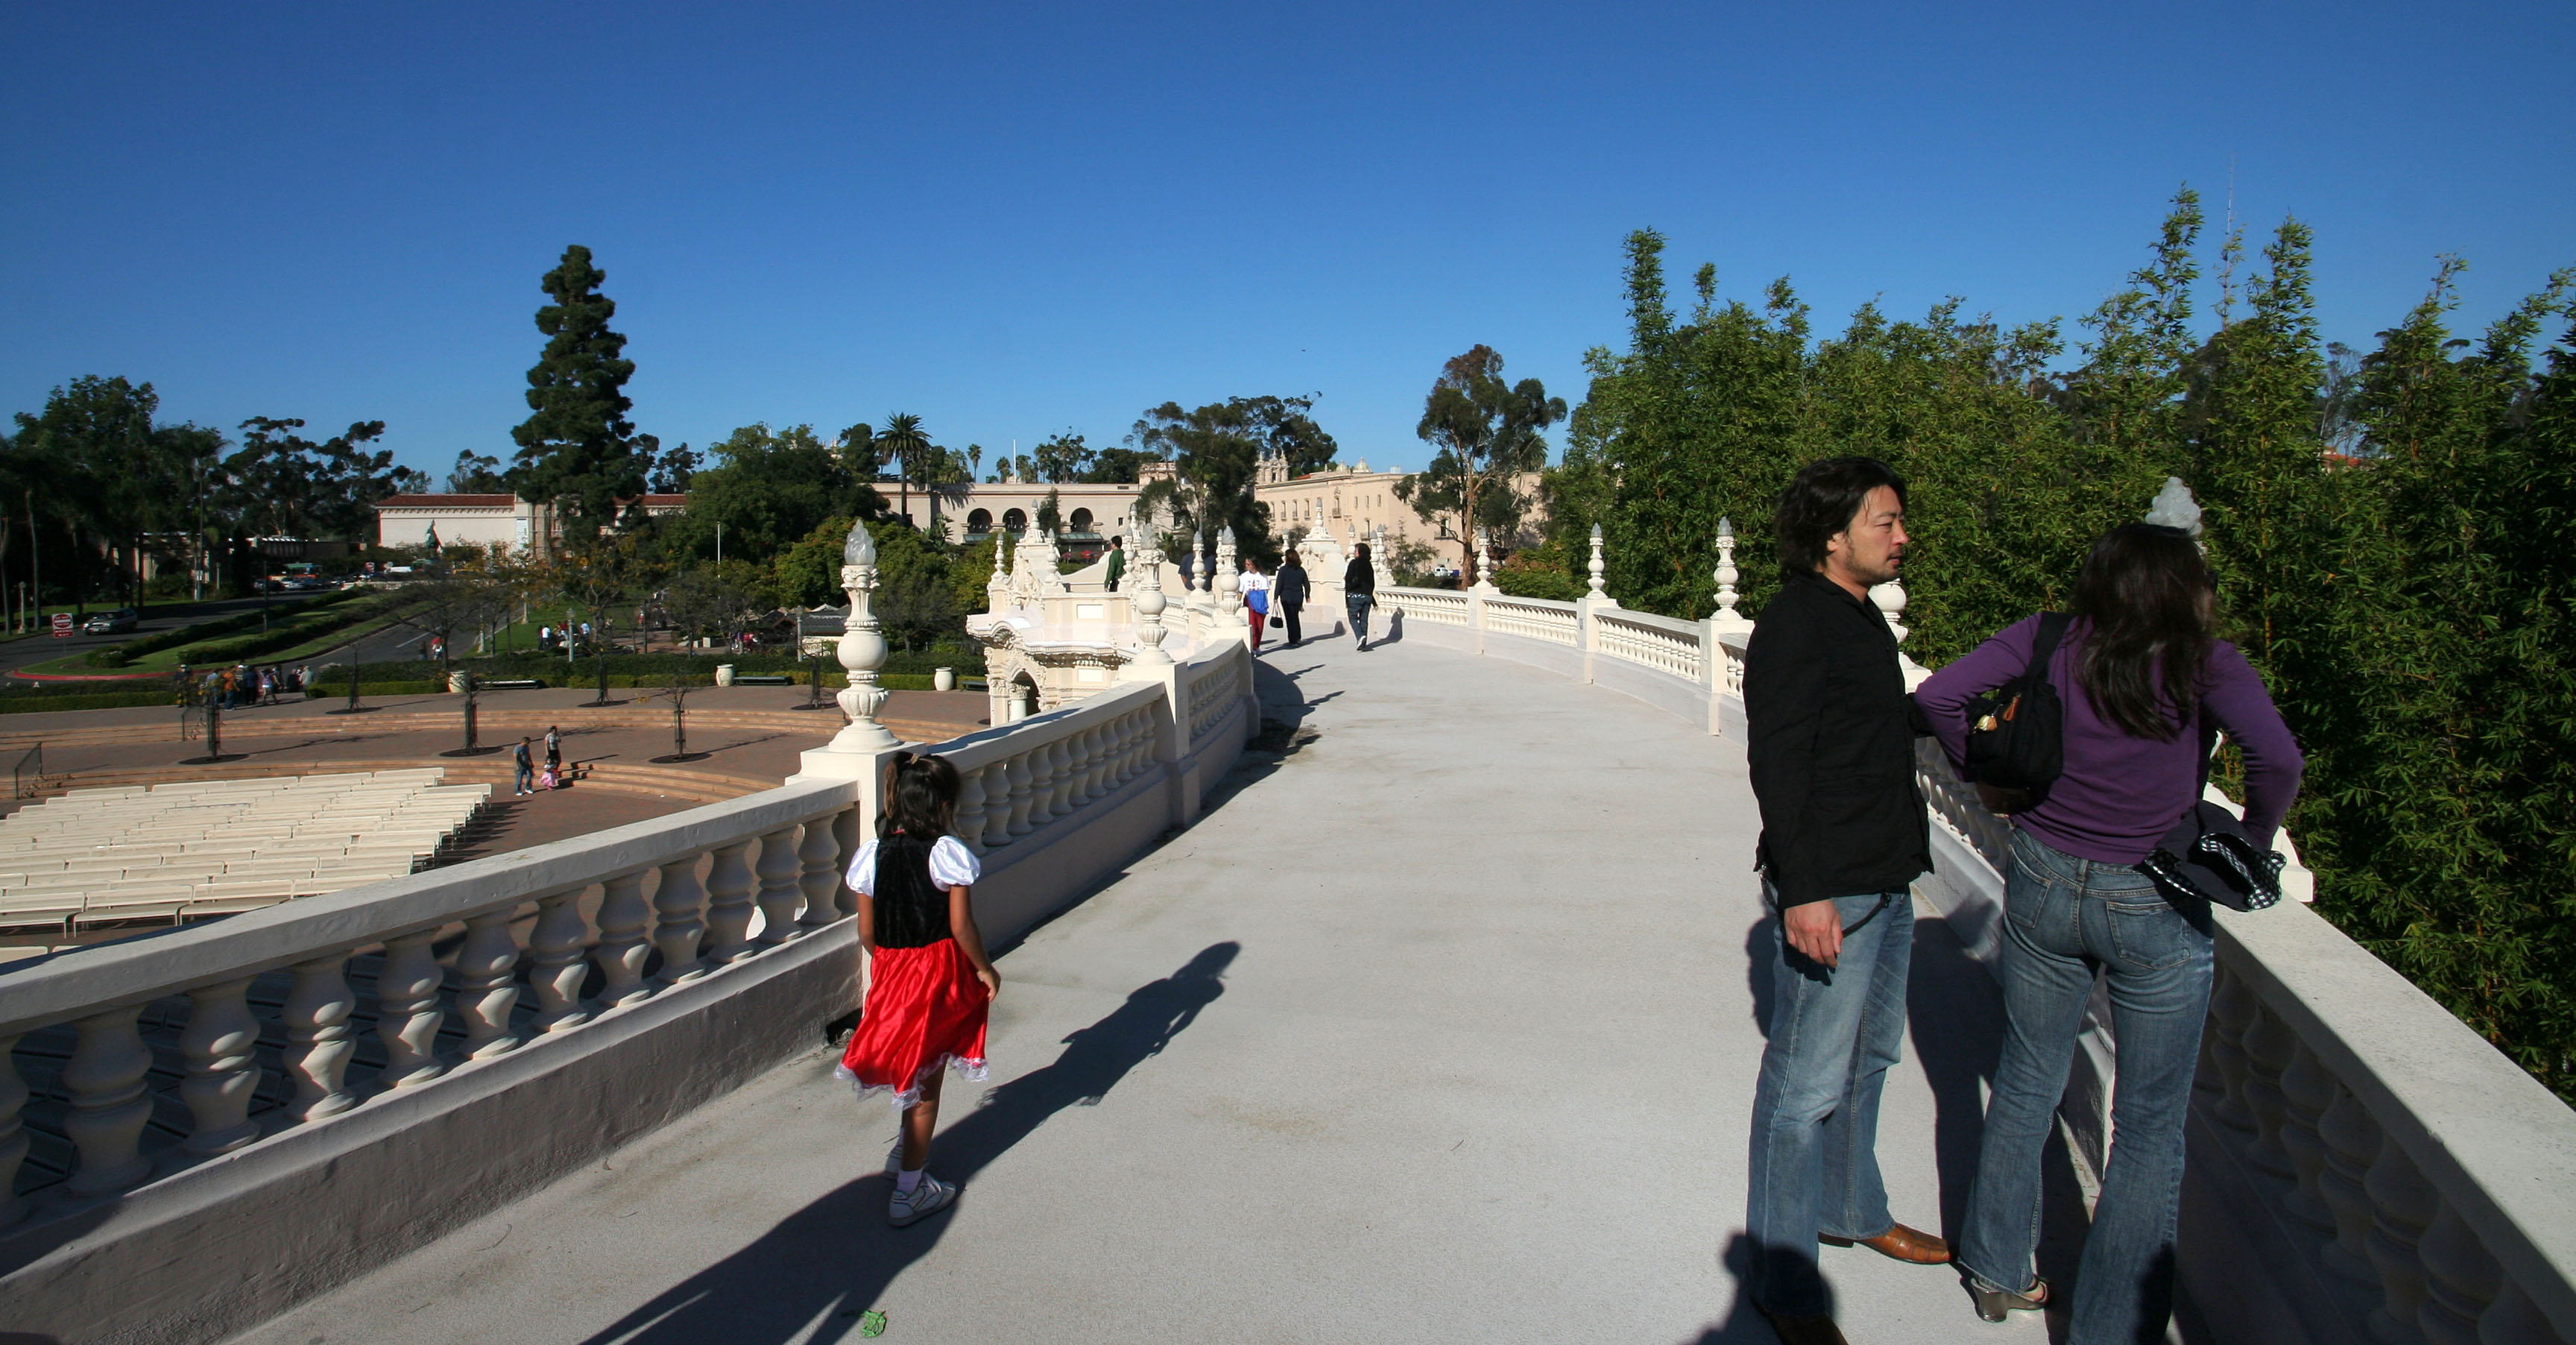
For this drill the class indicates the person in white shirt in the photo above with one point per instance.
(1256, 598)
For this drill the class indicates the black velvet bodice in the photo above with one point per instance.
(911, 908)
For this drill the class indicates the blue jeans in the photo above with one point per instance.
(1359, 603)
(2064, 918)
(527, 777)
(1834, 1033)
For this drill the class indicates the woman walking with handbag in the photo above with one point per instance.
(2140, 675)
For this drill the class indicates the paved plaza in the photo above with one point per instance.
(1439, 1027)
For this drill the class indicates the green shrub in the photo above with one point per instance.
(307, 628)
(118, 656)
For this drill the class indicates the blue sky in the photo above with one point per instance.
(1015, 220)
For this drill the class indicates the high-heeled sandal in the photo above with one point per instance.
(1995, 1304)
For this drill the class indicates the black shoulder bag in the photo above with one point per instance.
(2017, 732)
(2208, 856)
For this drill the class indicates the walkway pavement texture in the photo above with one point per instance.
(1439, 1027)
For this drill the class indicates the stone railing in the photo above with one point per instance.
(209, 1124)
(1660, 643)
(199, 1123)
(2363, 1166)
(1534, 618)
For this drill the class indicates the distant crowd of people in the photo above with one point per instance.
(243, 685)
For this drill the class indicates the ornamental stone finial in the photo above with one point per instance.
(2175, 508)
(1594, 582)
(1228, 580)
(1726, 576)
(862, 650)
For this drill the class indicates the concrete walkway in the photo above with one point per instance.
(1439, 1028)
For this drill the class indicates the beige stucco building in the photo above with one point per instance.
(504, 521)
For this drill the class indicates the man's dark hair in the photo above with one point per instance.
(1821, 502)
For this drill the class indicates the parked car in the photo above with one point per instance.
(118, 622)
(306, 583)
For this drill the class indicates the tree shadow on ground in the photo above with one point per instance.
(813, 1274)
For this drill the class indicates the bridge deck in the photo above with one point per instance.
(1438, 1028)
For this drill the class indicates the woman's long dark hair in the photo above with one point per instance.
(920, 798)
(2148, 594)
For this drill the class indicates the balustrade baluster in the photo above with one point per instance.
(780, 891)
(2232, 1007)
(730, 886)
(2461, 1280)
(821, 882)
(2402, 1206)
(104, 1082)
(1082, 786)
(1104, 761)
(13, 1131)
(677, 929)
(556, 967)
(623, 949)
(1023, 787)
(2269, 1047)
(1058, 765)
(997, 804)
(2352, 1141)
(487, 985)
(407, 1012)
(2307, 1088)
(845, 834)
(970, 810)
(319, 1039)
(220, 1047)
(2516, 1320)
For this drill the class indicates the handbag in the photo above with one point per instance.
(2207, 854)
(2017, 732)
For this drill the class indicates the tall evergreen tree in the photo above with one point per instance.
(1487, 432)
(577, 450)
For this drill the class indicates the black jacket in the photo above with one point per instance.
(1288, 587)
(1359, 577)
(1832, 747)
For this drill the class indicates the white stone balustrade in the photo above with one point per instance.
(355, 994)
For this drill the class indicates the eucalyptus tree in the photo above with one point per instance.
(1216, 452)
(1486, 433)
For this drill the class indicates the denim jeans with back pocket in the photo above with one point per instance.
(2064, 919)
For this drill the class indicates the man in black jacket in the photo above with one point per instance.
(1843, 838)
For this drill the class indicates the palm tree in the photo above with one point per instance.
(902, 439)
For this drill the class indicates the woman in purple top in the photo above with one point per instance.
(2137, 671)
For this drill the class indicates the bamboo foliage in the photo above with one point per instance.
(2397, 579)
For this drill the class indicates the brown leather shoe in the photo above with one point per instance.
(1900, 1243)
(1806, 1330)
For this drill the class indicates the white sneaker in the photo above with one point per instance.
(927, 1197)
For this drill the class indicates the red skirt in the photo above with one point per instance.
(925, 1009)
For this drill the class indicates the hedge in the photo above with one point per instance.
(117, 656)
(311, 626)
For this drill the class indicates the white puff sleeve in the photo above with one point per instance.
(953, 865)
(863, 870)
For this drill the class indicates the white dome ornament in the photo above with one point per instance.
(2175, 508)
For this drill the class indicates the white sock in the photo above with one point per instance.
(906, 1180)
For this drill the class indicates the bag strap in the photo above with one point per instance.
(2043, 644)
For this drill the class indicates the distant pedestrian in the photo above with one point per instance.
(1117, 561)
(930, 985)
(527, 770)
(1288, 592)
(554, 751)
(1256, 598)
(1359, 592)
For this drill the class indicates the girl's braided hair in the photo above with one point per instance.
(920, 797)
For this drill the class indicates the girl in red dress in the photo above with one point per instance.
(929, 983)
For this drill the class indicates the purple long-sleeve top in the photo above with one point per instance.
(2120, 794)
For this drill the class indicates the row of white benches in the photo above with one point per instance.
(111, 856)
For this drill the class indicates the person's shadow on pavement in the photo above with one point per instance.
(830, 1261)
